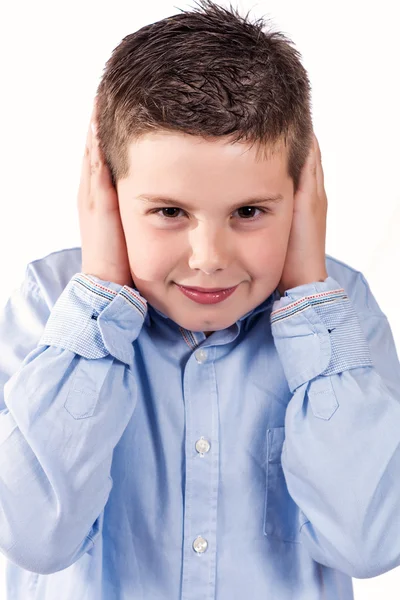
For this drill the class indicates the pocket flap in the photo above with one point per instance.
(85, 388)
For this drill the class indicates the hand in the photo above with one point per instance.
(305, 257)
(104, 252)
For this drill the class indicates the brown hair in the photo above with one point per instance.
(209, 73)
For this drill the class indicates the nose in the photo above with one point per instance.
(209, 249)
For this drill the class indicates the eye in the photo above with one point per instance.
(248, 212)
(166, 212)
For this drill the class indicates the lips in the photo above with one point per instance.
(207, 295)
(206, 290)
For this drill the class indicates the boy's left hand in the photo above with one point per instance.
(305, 257)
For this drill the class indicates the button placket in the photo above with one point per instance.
(202, 476)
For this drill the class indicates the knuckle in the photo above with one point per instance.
(94, 167)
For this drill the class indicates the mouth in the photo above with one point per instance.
(206, 295)
(206, 290)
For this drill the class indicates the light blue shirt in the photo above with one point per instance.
(142, 461)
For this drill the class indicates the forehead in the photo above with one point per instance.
(188, 161)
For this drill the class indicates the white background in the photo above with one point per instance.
(52, 57)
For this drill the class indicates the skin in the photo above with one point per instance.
(210, 244)
(208, 238)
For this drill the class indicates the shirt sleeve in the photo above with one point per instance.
(341, 454)
(54, 472)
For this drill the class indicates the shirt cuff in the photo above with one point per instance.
(94, 318)
(317, 332)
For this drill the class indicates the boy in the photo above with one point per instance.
(198, 403)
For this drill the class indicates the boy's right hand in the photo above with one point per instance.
(104, 252)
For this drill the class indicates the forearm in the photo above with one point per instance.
(57, 438)
(340, 456)
(55, 478)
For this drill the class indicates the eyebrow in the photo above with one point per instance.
(168, 201)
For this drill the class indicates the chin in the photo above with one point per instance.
(206, 327)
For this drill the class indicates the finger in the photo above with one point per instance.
(319, 169)
(100, 176)
(84, 185)
(102, 191)
(312, 157)
(308, 180)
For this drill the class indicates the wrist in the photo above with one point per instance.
(285, 285)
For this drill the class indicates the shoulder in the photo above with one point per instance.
(355, 285)
(50, 274)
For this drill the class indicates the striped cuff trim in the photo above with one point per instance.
(307, 302)
(109, 294)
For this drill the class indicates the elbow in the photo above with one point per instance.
(354, 555)
(379, 546)
(47, 546)
(370, 569)
(46, 558)
(377, 562)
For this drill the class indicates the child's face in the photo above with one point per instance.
(208, 243)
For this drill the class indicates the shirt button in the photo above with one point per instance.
(200, 545)
(200, 355)
(202, 445)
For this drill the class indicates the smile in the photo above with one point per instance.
(206, 296)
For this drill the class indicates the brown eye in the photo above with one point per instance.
(247, 211)
(170, 212)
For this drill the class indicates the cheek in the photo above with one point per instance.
(266, 255)
(151, 255)
(269, 265)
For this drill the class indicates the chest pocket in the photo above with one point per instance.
(282, 517)
(86, 384)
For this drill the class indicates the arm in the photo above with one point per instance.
(71, 398)
(341, 455)
(63, 418)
